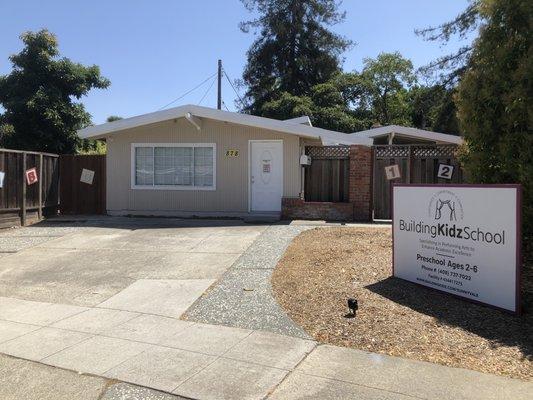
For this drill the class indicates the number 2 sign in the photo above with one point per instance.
(445, 171)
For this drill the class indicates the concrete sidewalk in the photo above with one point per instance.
(202, 361)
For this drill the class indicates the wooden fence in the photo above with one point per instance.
(21, 202)
(327, 178)
(78, 197)
(417, 164)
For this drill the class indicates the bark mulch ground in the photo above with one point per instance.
(324, 267)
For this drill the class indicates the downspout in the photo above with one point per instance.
(302, 170)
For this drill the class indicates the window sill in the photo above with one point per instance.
(171, 187)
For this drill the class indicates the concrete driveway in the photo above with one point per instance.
(87, 263)
(84, 306)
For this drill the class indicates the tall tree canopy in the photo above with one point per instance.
(494, 99)
(327, 104)
(449, 68)
(384, 83)
(432, 107)
(39, 97)
(294, 50)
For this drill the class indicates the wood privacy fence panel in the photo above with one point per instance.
(417, 163)
(327, 178)
(78, 197)
(20, 201)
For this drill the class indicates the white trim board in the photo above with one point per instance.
(288, 127)
(409, 132)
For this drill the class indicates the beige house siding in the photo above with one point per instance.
(231, 194)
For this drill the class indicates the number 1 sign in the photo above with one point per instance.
(392, 172)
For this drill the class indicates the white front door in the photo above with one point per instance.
(266, 175)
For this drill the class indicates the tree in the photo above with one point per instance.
(450, 67)
(113, 118)
(327, 106)
(494, 100)
(383, 88)
(294, 50)
(433, 108)
(39, 97)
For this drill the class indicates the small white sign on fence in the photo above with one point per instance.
(31, 176)
(445, 171)
(2, 179)
(392, 172)
(87, 176)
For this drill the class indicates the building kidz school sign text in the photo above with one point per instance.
(461, 239)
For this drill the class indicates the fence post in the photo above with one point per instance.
(23, 205)
(409, 164)
(40, 211)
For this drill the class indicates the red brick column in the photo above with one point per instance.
(360, 192)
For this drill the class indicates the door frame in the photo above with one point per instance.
(250, 167)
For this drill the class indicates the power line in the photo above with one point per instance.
(207, 91)
(225, 106)
(185, 94)
(233, 87)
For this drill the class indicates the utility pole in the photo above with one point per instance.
(219, 98)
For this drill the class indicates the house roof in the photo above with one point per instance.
(409, 132)
(195, 113)
(304, 120)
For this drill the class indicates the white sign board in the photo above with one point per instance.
(2, 174)
(460, 239)
(392, 172)
(445, 171)
(87, 176)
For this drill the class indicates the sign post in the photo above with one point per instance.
(460, 239)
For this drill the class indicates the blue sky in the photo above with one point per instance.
(154, 51)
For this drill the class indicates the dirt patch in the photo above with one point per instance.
(324, 267)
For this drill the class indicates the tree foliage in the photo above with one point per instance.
(294, 69)
(495, 102)
(294, 50)
(112, 118)
(39, 97)
(433, 108)
(450, 67)
(384, 92)
(384, 84)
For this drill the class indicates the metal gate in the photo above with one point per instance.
(417, 164)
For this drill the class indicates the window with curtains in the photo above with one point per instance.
(173, 166)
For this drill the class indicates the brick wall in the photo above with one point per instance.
(361, 182)
(295, 208)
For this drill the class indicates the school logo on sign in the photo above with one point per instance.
(445, 206)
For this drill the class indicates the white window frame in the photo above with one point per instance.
(173, 187)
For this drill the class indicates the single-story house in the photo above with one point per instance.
(193, 160)
(199, 161)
